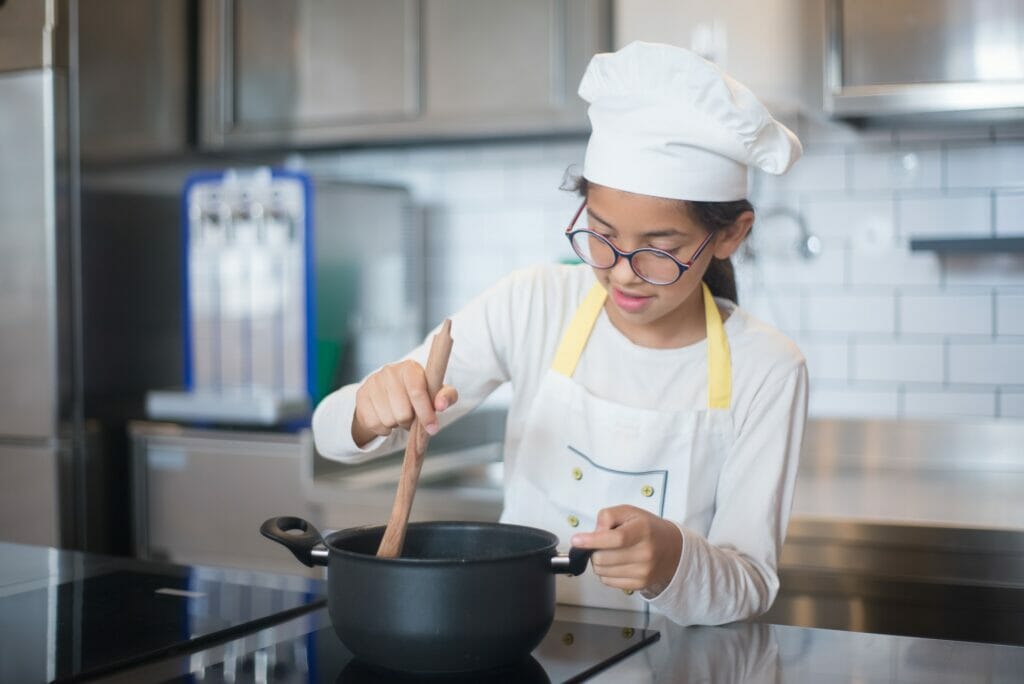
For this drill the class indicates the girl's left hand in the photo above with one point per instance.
(634, 549)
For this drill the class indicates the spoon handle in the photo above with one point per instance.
(415, 448)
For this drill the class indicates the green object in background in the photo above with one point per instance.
(328, 357)
(336, 289)
(570, 261)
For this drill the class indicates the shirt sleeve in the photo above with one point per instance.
(732, 574)
(482, 351)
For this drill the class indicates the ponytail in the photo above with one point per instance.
(720, 276)
(721, 279)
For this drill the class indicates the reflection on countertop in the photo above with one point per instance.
(66, 615)
(751, 653)
(741, 653)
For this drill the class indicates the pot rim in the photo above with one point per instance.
(330, 539)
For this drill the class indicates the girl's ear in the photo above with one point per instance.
(731, 237)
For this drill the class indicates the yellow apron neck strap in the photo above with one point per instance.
(576, 335)
(570, 349)
(719, 358)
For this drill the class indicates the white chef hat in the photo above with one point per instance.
(669, 123)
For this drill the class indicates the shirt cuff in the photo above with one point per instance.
(665, 600)
(332, 428)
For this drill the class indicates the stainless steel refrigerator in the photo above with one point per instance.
(40, 429)
(71, 325)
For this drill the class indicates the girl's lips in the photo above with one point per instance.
(629, 303)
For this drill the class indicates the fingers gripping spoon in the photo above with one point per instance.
(437, 364)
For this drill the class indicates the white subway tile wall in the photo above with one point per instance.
(851, 313)
(935, 216)
(1011, 404)
(895, 267)
(932, 404)
(887, 332)
(827, 360)
(896, 168)
(1010, 313)
(843, 222)
(946, 314)
(852, 402)
(986, 363)
(1010, 214)
(893, 361)
(985, 165)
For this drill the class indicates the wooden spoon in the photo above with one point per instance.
(437, 364)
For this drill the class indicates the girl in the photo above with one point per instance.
(653, 420)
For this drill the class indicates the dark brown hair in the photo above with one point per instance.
(712, 216)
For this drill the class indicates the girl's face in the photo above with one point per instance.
(652, 314)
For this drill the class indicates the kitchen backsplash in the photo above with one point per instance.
(887, 332)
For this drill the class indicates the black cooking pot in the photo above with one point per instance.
(463, 597)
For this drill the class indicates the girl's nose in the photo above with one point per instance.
(623, 273)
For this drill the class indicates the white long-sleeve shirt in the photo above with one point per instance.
(510, 333)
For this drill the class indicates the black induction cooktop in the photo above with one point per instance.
(105, 622)
(571, 652)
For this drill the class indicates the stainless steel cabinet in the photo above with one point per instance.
(25, 33)
(201, 495)
(28, 494)
(311, 64)
(502, 58)
(924, 57)
(133, 77)
(28, 297)
(312, 72)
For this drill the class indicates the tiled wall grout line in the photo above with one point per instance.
(897, 295)
(995, 315)
(992, 212)
(945, 363)
(848, 170)
(943, 168)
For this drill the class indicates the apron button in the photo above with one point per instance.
(577, 474)
(627, 592)
(647, 490)
(574, 521)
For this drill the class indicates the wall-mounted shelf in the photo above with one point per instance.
(967, 245)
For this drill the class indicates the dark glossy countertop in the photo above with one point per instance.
(65, 615)
(734, 653)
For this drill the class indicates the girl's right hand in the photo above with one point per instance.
(394, 396)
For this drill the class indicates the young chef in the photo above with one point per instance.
(652, 419)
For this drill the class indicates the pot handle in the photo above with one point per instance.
(572, 563)
(308, 546)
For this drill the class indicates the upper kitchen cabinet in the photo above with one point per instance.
(133, 75)
(283, 72)
(925, 58)
(314, 73)
(509, 67)
(774, 47)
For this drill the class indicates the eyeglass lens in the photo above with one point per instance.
(650, 266)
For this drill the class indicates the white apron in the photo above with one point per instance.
(580, 453)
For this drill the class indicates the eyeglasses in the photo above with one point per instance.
(654, 266)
